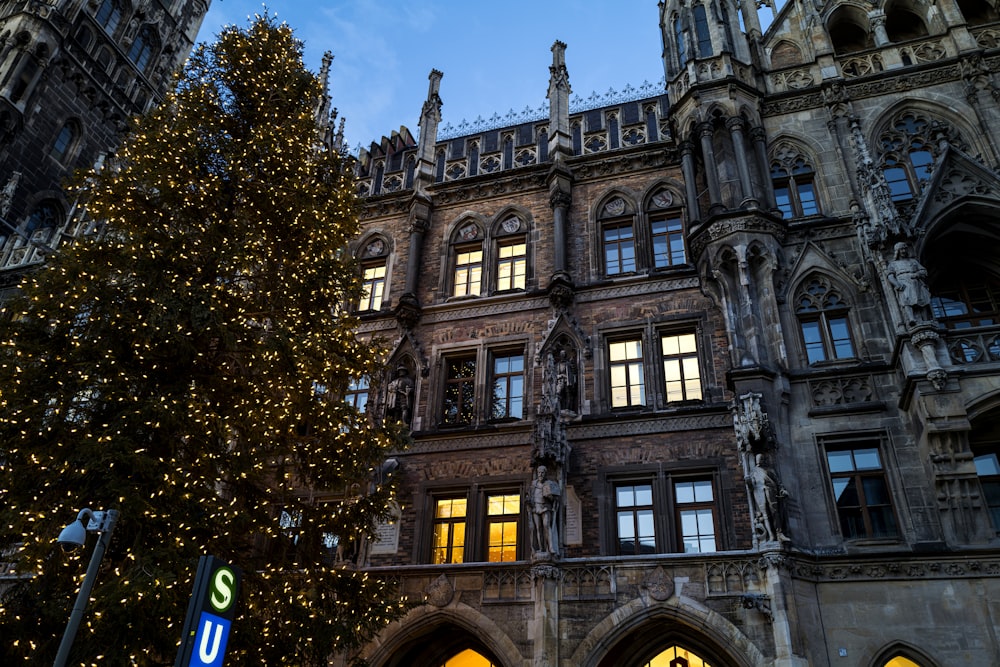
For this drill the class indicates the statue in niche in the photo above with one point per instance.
(544, 502)
(909, 278)
(764, 495)
(559, 381)
(399, 402)
(565, 389)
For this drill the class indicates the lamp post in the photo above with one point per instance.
(74, 536)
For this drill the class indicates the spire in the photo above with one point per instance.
(430, 117)
(560, 139)
(324, 117)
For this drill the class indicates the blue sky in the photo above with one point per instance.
(494, 55)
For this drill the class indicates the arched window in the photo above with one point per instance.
(702, 32)
(84, 36)
(902, 23)
(109, 15)
(794, 184)
(849, 31)
(823, 321)
(65, 141)
(141, 51)
(978, 12)
(682, 52)
(909, 150)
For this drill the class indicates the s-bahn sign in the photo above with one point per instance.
(209, 615)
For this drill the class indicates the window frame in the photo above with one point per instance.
(821, 319)
(681, 356)
(667, 511)
(495, 355)
(373, 287)
(514, 261)
(461, 383)
(627, 363)
(856, 479)
(516, 518)
(989, 478)
(471, 287)
(65, 154)
(795, 177)
(109, 15)
(451, 549)
(142, 50)
(621, 258)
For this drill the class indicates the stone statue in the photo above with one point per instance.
(544, 504)
(909, 278)
(399, 402)
(764, 495)
(565, 381)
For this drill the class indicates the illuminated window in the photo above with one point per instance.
(682, 377)
(634, 519)
(512, 265)
(823, 321)
(373, 286)
(508, 387)
(449, 531)
(900, 661)
(459, 392)
(675, 656)
(468, 658)
(625, 368)
(502, 513)
(864, 505)
(695, 503)
(468, 271)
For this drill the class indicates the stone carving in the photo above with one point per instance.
(659, 585)
(440, 592)
(909, 278)
(765, 492)
(7, 195)
(615, 207)
(753, 440)
(544, 504)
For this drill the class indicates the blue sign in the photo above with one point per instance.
(210, 641)
(210, 614)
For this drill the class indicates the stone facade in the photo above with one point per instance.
(72, 73)
(735, 342)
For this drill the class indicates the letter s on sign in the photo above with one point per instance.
(221, 595)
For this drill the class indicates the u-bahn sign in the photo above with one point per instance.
(210, 614)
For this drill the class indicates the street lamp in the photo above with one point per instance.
(71, 538)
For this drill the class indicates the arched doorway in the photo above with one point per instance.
(661, 645)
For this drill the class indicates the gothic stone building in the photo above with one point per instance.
(704, 374)
(71, 74)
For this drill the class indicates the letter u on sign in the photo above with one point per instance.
(210, 641)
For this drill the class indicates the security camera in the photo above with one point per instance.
(74, 535)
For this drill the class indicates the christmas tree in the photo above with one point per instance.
(187, 366)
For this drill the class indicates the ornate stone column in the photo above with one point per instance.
(736, 129)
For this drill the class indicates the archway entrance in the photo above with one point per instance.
(665, 645)
(445, 645)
